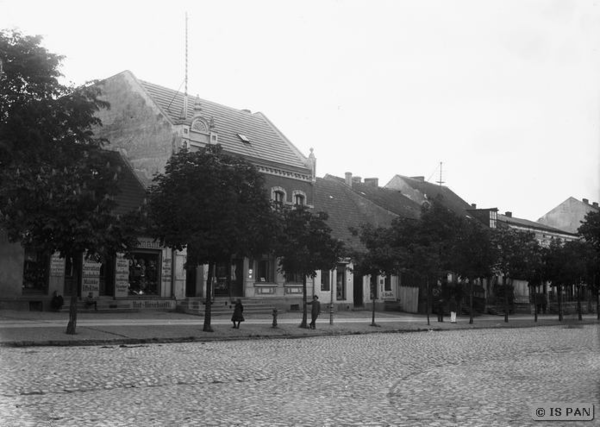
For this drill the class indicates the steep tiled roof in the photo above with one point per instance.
(132, 193)
(266, 142)
(421, 187)
(347, 208)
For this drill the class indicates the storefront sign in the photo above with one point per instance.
(147, 243)
(166, 271)
(121, 277)
(91, 278)
(57, 265)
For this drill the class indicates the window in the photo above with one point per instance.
(294, 278)
(278, 196)
(199, 126)
(388, 283)
(299, 198)
(243, 138)
(493, 218)
(264, 270)
(325, 280)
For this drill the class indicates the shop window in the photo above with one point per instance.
(35, 272)
(265, 270)
(387, 286)
(294, 278)
(107, 278)
(144, 274)
(325, 280)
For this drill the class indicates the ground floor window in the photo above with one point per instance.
(144, 276)
(265, 270)
(325, 281)
(388, 283)
(35, 272)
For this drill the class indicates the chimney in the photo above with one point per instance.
(474, 205)
(373, 182)
(595, 204)
(356, 179)
(586, 201)
(418, 178)
(349, 179)
(508, 214)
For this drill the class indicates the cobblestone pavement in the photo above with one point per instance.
(450, 378)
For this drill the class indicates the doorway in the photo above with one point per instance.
(357, 283)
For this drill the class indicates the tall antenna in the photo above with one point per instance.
(440, 181)
(185, 94)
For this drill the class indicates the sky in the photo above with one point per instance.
(499, 99)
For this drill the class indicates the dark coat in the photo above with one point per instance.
(453, 306)
(237, 313)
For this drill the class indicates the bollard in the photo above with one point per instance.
(274, 317)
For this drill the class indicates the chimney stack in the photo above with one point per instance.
(595, 204)
(586, 201)
(356, 179)
(474, 205)
(508, 214)
(374, 182)
(349, 179)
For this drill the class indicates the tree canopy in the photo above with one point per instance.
(57, 186)
(214, 205)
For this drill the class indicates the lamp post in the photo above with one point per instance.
(331, 297)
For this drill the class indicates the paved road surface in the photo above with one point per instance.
(485, 377)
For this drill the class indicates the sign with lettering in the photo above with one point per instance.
(90, 278)
(57, 265)
(166, 271)
(121, 277)
(148, 243)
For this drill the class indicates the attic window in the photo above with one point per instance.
(244, 138)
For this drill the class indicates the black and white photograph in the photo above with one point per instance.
(300, 213)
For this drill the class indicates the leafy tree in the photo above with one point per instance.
(56, 186)
(590, 231)
(380, 257)
(305, 245)
(473, 255)
(516, 255)
(214, 204)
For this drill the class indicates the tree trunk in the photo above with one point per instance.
(535, 306)
(72, 325)
(373, 293)
(506, 308)
(304, 324)
(598, 303)
(207, 309)
(559, 296)
(471, 301)
(427, 300)
(579, 315)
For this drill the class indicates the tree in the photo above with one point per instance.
(516, 255)
(305, 245)
(473, 255)
(590, 231)
(214, 204)
(380, 257)
(56, 186)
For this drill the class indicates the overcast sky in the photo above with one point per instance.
(505, 94)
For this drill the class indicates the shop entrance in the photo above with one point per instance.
(235, 270)
(144, 277)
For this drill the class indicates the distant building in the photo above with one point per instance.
(569, 215)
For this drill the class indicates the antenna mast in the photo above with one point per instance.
(185, 94)
(440, 181)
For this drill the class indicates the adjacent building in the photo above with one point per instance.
(569, 215)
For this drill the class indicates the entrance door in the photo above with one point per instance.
(190, 282)
(235, 288)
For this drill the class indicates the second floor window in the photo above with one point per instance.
(298, 200)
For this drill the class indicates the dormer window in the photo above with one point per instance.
(199, 126)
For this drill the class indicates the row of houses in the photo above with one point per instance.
(145, 125)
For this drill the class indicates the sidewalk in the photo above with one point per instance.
(26, 328)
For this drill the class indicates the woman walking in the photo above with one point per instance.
(237, 316)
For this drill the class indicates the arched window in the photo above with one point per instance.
(278, 196)
(299, 198)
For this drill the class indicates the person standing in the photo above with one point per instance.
(238, 315)
(314, 312)
(440, 310)
(453, 306)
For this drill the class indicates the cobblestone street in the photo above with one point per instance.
(450, 378)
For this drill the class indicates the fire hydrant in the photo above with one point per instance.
(274, 317)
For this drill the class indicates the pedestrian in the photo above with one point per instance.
(57, 301)
(440, 310)
(238, 315)
(453, 306)
(90, 301)
(314, 312)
